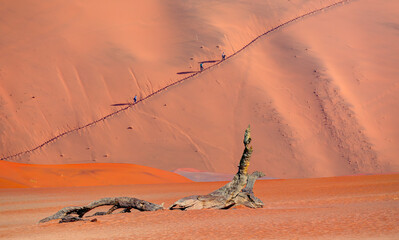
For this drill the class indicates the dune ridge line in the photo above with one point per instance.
(174, 83)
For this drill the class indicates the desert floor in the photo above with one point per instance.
(354, 207)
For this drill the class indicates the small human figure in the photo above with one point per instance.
(201, 67)
(135, 99)
(223, 56)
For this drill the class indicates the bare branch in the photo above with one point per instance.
(118, 202)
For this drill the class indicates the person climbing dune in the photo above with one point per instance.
(223, 56)
(201, 67)
(135, 99)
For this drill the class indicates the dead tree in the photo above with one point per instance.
(71, 214)
(237, 192)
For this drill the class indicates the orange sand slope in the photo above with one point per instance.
(360, 207)
(321, 93)
(16, 175)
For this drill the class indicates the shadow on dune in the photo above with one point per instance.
(187, 72)
(121, 104)
(209, 61)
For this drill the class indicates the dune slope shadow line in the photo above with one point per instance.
(121, 104)
(172, 84)
(186, 72)
(209, 61)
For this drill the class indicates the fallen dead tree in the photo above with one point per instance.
(72, 214)
(237, 192)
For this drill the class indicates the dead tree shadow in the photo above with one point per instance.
(209, 61)
(187, 72)
(121, 104)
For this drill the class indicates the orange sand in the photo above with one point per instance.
(321, 93)
(16, 175)
(358, 207)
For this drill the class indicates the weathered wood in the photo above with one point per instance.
(237, 192)
(247, 197)
(127, 203)
(67, 219)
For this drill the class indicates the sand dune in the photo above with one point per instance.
(18, 175)
(93, 55)
(320, 93)
(361, 207)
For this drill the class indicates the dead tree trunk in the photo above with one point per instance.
(231, 194)
(70, 214)
(237, 192)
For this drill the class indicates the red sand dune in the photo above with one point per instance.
(360, 207)
(17, 175)
(321, 93)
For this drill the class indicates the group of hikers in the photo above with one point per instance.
(201, 63)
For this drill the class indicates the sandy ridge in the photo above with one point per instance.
(174, 83)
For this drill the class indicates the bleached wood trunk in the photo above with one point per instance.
(237, 192)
